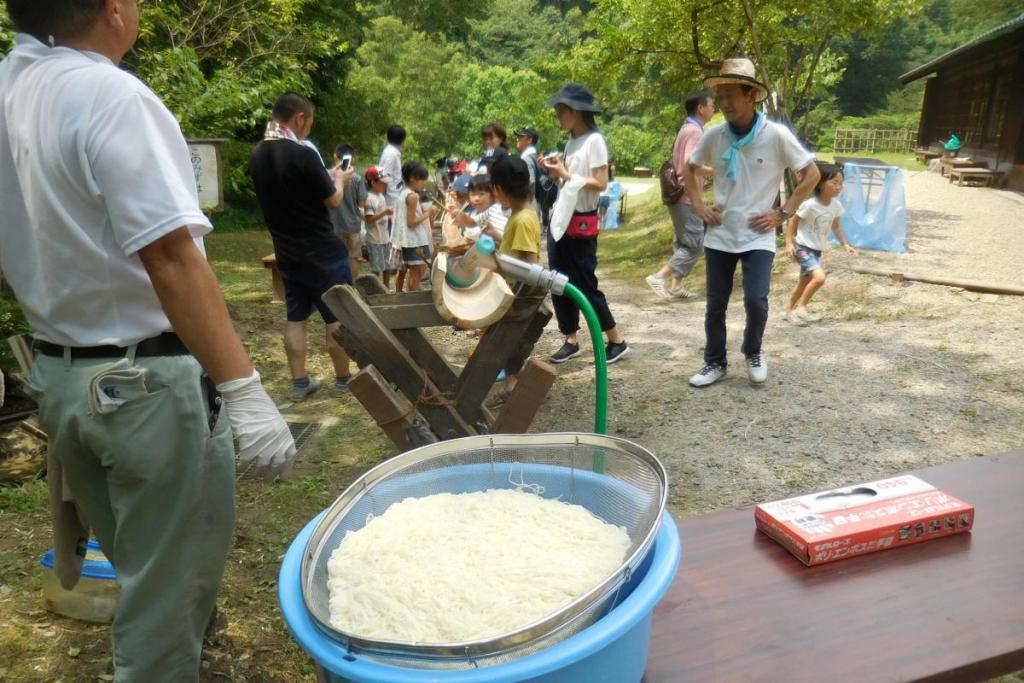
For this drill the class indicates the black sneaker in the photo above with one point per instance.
(616, 351)
(565, 353)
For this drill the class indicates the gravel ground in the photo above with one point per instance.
(967, 233)
(896, 376)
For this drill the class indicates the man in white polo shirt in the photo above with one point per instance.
(749, 155)
(101, 240)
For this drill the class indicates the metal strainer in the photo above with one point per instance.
(618, 481)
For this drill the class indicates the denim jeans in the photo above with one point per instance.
(757, 277)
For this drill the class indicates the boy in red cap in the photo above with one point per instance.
(376, 214)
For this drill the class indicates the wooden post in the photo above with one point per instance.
(523, 404)
(392, 411)
(422, 351)
(370, 342)
(500, 342)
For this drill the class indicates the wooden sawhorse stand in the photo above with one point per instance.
(413, 393)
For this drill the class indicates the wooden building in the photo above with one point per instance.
(977, 92)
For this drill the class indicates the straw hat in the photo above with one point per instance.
(740, 71)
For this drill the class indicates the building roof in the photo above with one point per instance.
(987, 37)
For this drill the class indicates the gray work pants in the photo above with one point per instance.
(688, 241)
(155, 481)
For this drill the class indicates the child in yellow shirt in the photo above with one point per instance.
(510, 181)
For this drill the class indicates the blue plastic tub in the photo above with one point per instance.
(612, 650)
(94, 597)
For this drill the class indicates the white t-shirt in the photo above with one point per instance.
(582, 156)
(93, 168)
(759, 170)
(402, 234)
(391, 163)
(816, 221)
(376, 233)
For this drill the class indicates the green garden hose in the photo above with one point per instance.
(600, 367)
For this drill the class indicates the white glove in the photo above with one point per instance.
(264, 442)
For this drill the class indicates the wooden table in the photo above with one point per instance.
(949, 163)
(743, 609)
(982, 176)
(926, 154)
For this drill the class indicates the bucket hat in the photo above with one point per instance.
(576, 96)
(740, 71)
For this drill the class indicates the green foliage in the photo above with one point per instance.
(521, 34)
(631, 145)
(654, 51)
(6, 30)
(238, 189)
(218, 65)
(398, 75)
(31, 498)
(498, 93)
(233, 219)
(12, 322)
(876, 60)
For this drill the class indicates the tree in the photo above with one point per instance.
(219, 64)
(498, 93)
(397, 75)
(666, 46)
(6, 30)
(523, 34)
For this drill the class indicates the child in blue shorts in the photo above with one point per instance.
(806, 236)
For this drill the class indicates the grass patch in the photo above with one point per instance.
(904, 160)
(31, 498)
(233, 219)
(642, 244)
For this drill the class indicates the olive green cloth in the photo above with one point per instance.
(156, 484)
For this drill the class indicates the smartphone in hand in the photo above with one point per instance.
(346, 162)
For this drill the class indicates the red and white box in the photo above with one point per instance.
(834, 525)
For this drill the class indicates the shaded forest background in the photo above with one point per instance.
(443, 68)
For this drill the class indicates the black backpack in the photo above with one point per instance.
(544, 188)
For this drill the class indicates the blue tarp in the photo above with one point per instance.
(876, 208)
(610, 199)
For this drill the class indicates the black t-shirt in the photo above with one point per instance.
(291, 185)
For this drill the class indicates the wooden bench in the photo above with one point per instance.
(949, 163)
(926, 155)
(979, 176)
(270, 263)
(743, 609)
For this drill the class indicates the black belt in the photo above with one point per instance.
(167, 344)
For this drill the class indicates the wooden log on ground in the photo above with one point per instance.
(370, 342)
(522, 405)
(392, 411)
(971, 285)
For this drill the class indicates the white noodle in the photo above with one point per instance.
(452, 568)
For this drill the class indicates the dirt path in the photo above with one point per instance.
(895, 376)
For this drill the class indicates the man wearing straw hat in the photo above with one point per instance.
(749, 155)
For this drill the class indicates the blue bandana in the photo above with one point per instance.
(730, 157)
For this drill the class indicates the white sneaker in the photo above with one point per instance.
(757, 368)
(658, 284)
(708, 375)
(681, 293)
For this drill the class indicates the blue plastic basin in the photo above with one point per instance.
(612, 650)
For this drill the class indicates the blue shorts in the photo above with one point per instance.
(304, 289)
(809, 259)
(415, 256)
